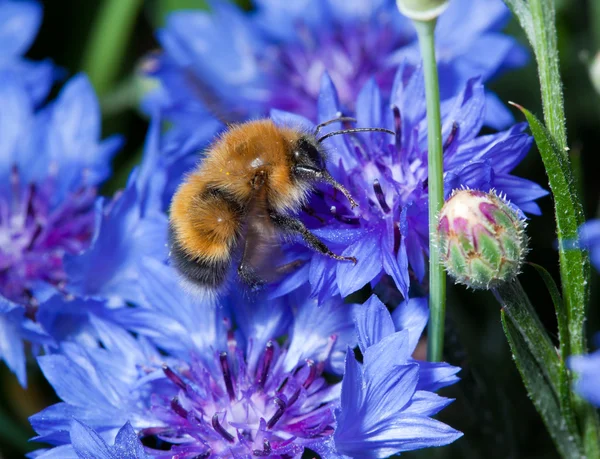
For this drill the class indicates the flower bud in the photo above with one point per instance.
(422, 10)
(481, 239)
(595, 72)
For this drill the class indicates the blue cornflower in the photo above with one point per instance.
(19, 24)
(129, 228)
(388, 231)
(243, 64)
(387, 403)
(51, 163)
(587, 368)
(101, 280)
(212, 389)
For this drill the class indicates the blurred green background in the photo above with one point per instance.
(492, 407)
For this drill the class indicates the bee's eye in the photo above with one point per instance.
(307, 152)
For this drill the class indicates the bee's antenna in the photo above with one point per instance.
(350, 131)
(334, 120)
(338, 186)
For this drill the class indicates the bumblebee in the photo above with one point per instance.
(243, 197)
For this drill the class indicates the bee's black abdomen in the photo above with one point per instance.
(202, 273)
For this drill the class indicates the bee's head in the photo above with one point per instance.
(308, 165)
(308, 153)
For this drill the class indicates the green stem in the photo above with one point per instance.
(108, 42)
(546, 52)
(437, 276)
(595, 24)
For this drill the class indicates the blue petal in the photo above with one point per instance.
(150, 177)
(292, 120)
(280, 19)
(412, 315)
(434, 376)
(497, 115)
(58, 452)
(88, 444)
(402, 434)
(321, 276)
(199, 317)
(588, 382)
(329, 104)
(128, 445)
(589, 233)
(73, 140)
(390, 392)
(373, 323)
(465, 111)
(352, 396)
(259, 320)
(369, 105)
(71, 382)
(19, 24)
(426, 404)
(17, 119)
(110, 267)
(383, 358)
(518, 190)
(351, 277)
(484, 15)
(316, 328)
(12, 350)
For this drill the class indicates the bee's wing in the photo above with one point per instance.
(262, 245)
(213, 103)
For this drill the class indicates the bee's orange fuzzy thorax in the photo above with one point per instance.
(208, 228)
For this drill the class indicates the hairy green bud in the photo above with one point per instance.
(481, 239)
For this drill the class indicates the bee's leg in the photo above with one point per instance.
(293, 225)
(249, 276)
(289, 267)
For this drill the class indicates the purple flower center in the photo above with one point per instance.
(350, 56)
(234, 408)
(36, 232)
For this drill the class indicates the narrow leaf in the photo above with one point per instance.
(540, 391)
(516, 305)
(564, 386)
(561, 313)
(521, 11)
(574, 263)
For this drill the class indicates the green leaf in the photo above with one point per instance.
(564, 387)
(561, 313)
(574, 263)
(107, 44)
(591, 432)
(516, 305)
(523, 15)
(540, 390)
